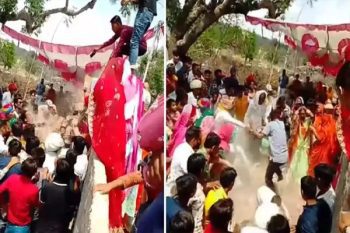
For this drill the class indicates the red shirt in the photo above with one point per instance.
(124, 38)
(210, 229)
(23, 197)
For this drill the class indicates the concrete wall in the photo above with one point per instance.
(93, 210)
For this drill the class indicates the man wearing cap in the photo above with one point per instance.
(8, 96)
(195, 94)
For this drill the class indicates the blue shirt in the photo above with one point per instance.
(315, 219)
(16, 169)
(284, 80)
(172, 208)
(152, 220)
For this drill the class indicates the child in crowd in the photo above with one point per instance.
(186, 187)
(220, 217)
(182, 223)
(227, 181)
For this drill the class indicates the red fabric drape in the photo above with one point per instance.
(109, 133)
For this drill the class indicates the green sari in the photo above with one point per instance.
(300, 159)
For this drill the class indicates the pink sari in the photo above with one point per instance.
(181, 126)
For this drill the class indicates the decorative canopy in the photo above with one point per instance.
(326, 46)
(66, 58)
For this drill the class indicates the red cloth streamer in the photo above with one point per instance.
(109, 132)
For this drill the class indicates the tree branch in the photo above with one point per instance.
(31, 24)
(66, 11)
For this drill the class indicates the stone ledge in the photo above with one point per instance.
(92, 215)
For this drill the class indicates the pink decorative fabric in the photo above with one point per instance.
(326, 46)
(151, 127)
(69, 58)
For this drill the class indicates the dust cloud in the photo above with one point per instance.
(251, 166)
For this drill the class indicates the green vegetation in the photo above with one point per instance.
(7, 54)
(155, 75)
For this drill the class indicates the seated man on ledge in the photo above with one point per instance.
(124, 33)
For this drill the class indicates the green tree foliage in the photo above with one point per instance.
(8, 10)
(220, 37)
(155, 75)
(216, 38)
(31, 65)
(248, 46)
(7, 54)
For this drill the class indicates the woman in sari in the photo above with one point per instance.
(299, 144)
(186, 119)
(322, 146)
(109, 133)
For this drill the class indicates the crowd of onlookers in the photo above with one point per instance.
(41, 174)
(294, 124)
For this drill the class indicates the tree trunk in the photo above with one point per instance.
(190, 37)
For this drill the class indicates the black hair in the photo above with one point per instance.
(15, 147)
(196, 164)
(169, 102)
(16, 100)
(175, 53)
(38, 154)
(32, 142)
(216, 72)
(187, 59)
(193, 133)
(71, 157)
(325, 173)
(17, 130)
(207, 72)
(181, 96)
(220, 214)
(275, 114)
(278, 224)
(182, 222)
(29, 167)
(308, 187)
(79, 144)
(212, 140)
(116, 19)
(63, 171)
(186, 186)
(228, 177)
(28, 131)
(343, 75)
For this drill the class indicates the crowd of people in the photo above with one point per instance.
(41, 174)
(294, 124)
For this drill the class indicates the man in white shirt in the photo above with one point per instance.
(324, 175)
(193, 96)
(176, 61)
(5, 132)
(181, 154)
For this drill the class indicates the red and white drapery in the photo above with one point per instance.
(66, 58)
(327, 46)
